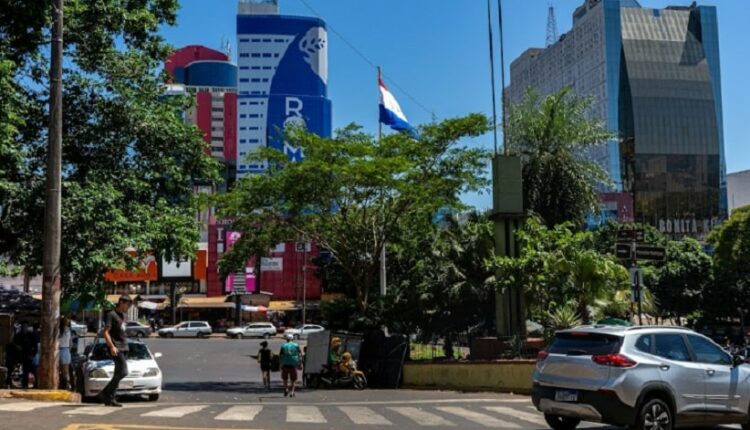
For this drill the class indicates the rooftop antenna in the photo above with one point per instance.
(551, 26)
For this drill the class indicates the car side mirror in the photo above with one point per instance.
(738, 360)
(158, 355)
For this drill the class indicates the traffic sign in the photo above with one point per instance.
(624, 251)
(304, 247)
(653, 253)
(630, 235)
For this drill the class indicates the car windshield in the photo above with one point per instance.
(136, 351)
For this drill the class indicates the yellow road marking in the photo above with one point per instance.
(133, 427)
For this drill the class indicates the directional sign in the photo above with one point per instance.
(630, 235)
(654, 253)
(624, 251)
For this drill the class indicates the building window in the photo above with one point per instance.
(256, 55)
(244, 80)
(244, 55)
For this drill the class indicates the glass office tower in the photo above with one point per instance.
(654, 75)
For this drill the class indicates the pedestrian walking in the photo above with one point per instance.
(291, 360)
(117, 343)
(64, 344)
(265, 356)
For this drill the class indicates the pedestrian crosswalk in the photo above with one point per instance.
(499, 415)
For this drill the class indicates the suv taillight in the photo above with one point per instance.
(542, 356)
(614, 360)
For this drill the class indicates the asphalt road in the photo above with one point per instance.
(215, 384)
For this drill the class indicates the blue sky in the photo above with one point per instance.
(436, 51)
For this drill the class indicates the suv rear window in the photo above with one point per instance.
(581, 343)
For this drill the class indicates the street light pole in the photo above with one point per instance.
(48, 374)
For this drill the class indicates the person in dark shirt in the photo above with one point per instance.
(117, 343)
(264, 358)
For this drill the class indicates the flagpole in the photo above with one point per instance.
(383, 273)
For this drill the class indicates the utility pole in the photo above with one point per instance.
(48, 373)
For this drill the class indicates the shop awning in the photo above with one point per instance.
(205, 303)
(292, 305)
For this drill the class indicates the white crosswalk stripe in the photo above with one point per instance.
(477, 417)
(422, 417)
(175, 412)
(26, 406)
(240, 413)
(91, 410)
(364, 415)
(304, 414)
(533, 418)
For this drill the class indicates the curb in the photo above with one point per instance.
(42, 395)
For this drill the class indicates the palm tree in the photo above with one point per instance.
(552, 135)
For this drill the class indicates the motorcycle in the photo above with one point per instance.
(332, 377)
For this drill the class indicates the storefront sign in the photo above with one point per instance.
(275, 264)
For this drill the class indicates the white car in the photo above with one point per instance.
(265, 330)
(187, 329)
(302, 331)
(144, 379)
(79, 329)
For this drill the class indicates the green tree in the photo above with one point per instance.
(731, 243)
(129, 160)
(563, 275)
(352, 192)
(552, 135)
(682, 279)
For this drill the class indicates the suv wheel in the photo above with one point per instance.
(655, 415)
(267, 336)
(556, 422)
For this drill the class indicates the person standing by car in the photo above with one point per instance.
(64, 343)
(290, 360)
(264, 358)
(117, 343)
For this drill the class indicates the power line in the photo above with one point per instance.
(368, 61)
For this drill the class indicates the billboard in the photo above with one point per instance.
(282, 80)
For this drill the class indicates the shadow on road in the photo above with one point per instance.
(219, 387)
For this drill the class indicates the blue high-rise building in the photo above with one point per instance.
(655, 78)
(282, 79)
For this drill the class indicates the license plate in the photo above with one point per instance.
(566, 396)
(126, 384)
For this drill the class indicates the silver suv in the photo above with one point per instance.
(654, 378)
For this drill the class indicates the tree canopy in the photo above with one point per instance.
(129, 159)
(352, 194)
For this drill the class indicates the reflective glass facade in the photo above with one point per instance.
(655, 78)
(669, 119)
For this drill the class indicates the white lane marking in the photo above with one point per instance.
(422, 417)
(91, 410)
(304, 414)
(26, 406)
(240, 413)
(364, 415)
(175, 412)
(477, 417)
(533, 418)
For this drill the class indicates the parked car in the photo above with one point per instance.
(137, 330)
(78, 329)
(265, 330)
(96, 369)
(187, 329)
(301, 332)
(640, 377)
